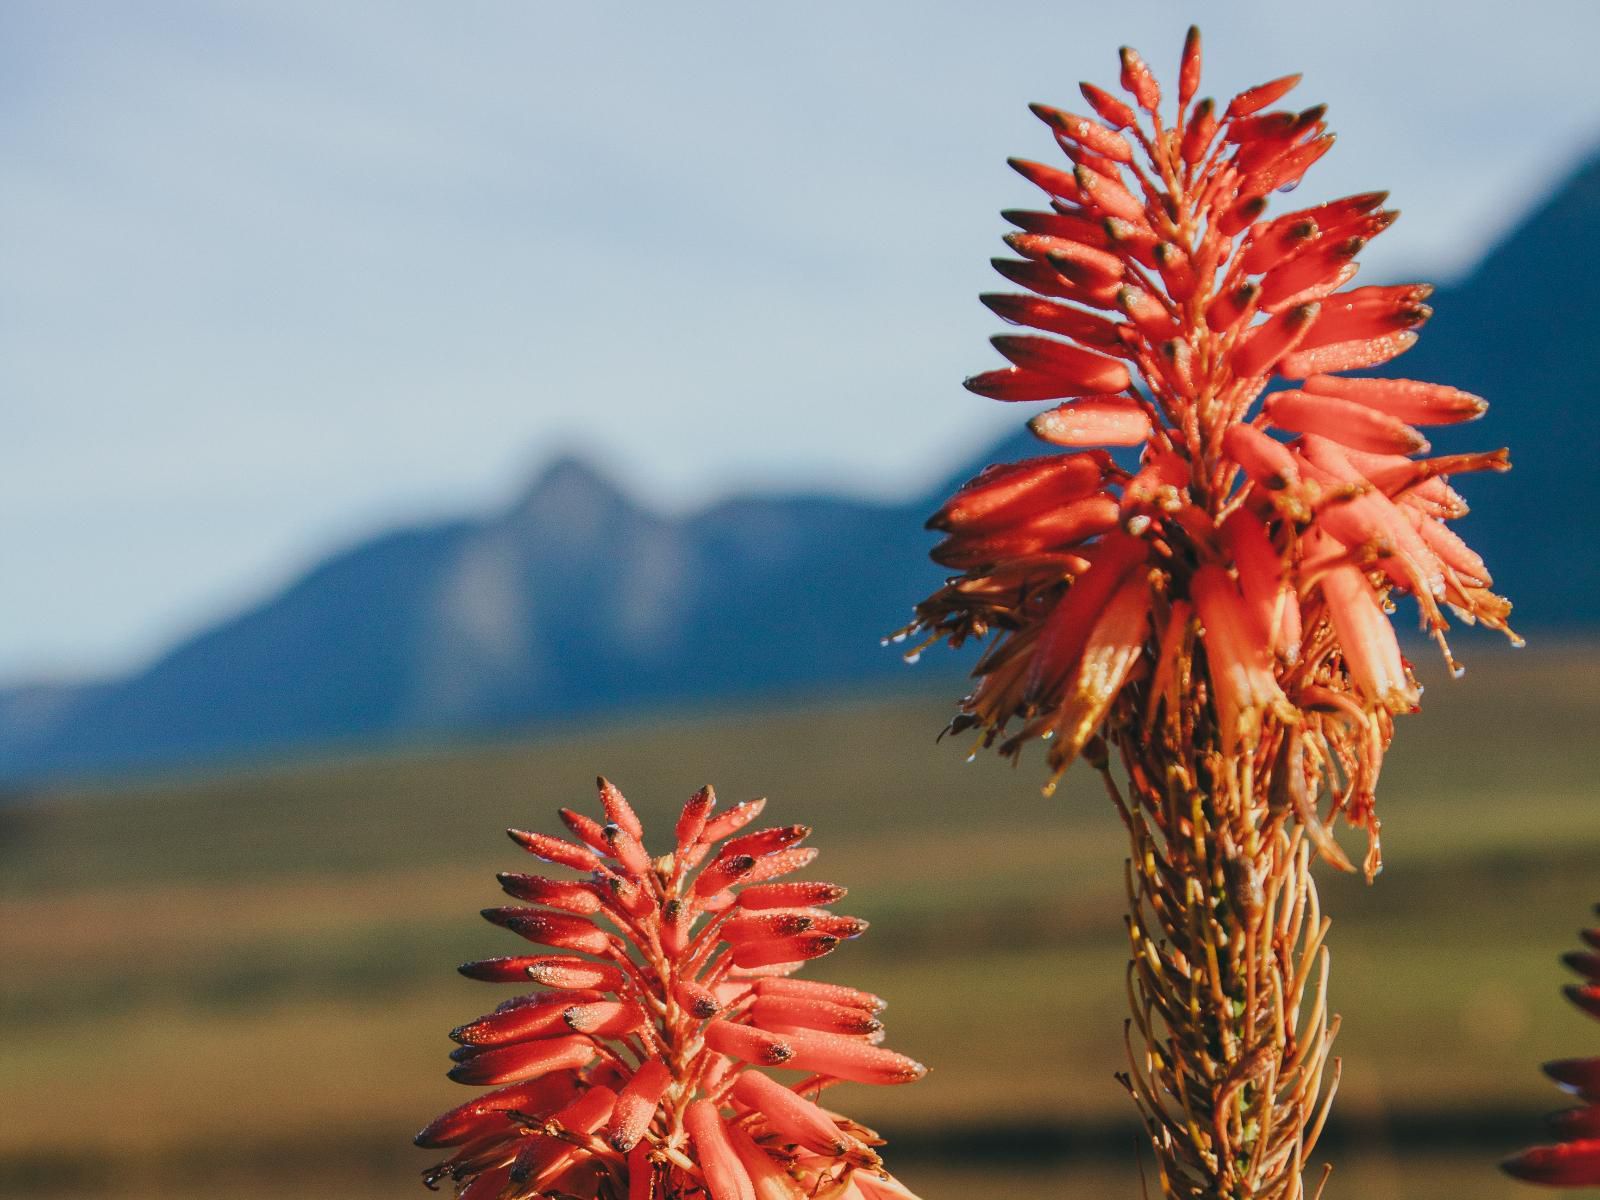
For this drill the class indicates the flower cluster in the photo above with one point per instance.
(1574, 1161)
(632, 1074)
(1185, 517)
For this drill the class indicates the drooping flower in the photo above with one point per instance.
(1163, 300)
(638, 1071)
(1574, 1159)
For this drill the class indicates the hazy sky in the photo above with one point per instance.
(279, 273)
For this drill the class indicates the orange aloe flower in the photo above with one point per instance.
(1163, 300)
(1574, 1160)
(637, 1072)
(1190, 587)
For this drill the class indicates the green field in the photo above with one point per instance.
(241, 984)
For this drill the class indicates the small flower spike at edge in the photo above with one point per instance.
(665, 992)
(1574, 1159)
(1191, 585)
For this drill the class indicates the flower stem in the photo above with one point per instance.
(1230, 1031)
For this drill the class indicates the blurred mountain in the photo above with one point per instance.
(1523, 331)
(572, 601)
(575, 601)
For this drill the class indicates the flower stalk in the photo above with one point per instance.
(1193, 589)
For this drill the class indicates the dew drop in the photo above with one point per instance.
(973, 757)
(913, 658)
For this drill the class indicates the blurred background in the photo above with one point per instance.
(413, 410)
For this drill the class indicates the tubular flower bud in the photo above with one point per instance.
(559, 930)
(565, 894)
(791, 1115)
(1000, 494)
(1112, 111)
(725, 825)
(1374, 658)
(522, 1060)
(1573, 1161)
(1344, 421)
(789, 895)
(1402, 399)
(538, 1017)
(780, 1013)
(725, 1176)
(634, 1068)
(1093, 421)
(636, 1104)
(810, 989)
(1189, 68)
(1237, 657)
(1172, 297)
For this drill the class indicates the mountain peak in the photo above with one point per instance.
(567, 485)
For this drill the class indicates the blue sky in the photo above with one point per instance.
(277, 273)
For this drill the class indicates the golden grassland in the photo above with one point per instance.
(234, 981)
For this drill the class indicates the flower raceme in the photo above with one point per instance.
(1160, 300)
(638, 1071)
(1574, 1160)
